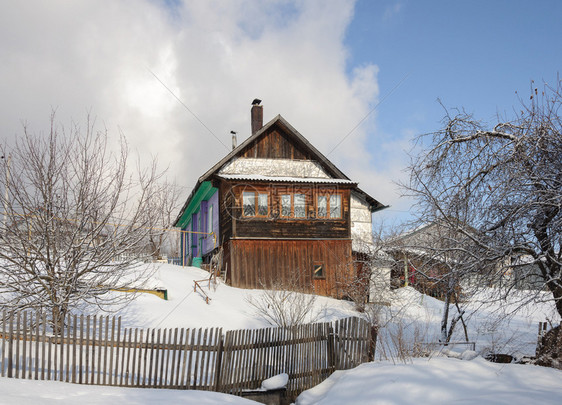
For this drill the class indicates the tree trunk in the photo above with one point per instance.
(445, 319)
(557, 294)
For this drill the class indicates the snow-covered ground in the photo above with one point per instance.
(438, 380)
(27, 392)
(228, 307)
(493, 327)
(411, 317)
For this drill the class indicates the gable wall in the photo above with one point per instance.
(275, 145)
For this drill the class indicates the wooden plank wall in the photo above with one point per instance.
(259, 263)
(97, 351)
(275, 145)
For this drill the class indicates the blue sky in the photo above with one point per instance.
(322, 64)
(469, 54)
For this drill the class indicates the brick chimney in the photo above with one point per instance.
(257, 116)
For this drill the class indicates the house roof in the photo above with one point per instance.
(277, 120)
(323, 160)
(259, 177)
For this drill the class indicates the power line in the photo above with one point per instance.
(187, 108)
(369, 113)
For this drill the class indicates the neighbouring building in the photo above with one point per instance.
(277, 210)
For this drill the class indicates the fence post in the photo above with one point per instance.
(542, 331)
(372, 343)
(219, 364)
(10, 345)
(331, 348)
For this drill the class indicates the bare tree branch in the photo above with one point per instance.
(76, 219)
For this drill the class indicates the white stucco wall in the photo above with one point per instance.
(275, 167)
(361, 224)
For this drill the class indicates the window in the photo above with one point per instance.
(293, 205)
(255, 204)
(318, 271)
(322, 206)
(263, 206)
(335, 206)
(249, 203)
(300, 205)
(328, 206)
(210, 219)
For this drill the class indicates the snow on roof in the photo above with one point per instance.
(285, 179)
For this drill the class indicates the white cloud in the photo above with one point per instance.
(216, 56)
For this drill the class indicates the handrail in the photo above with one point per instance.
(196, 284)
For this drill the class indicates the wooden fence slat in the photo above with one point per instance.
(18, 338)
(212, 357)
(115, 368)
(31, 347)
(180, 342)
(157, 374)
(100, 343)
(3, 365)
(50, 350)
(149, 382)
(204, 357)
(235, 358)
(232, 358)
(60, 326)
(259, 355)
(190, 361)
(241, 361)
(74, 329)
(218, 361)
(111, 350)
(140, 378)
(160, 354)
(85, 362)
(197, 356)
(93, 367)
(224, 363)
(124, 351)
(131, 371)
(183, 382)
(10, 345)
(174, 342)
(24, 346)
(43, 339)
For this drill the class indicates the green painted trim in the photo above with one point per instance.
(203, 193)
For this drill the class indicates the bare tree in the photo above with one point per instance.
(163, 206)
(75, 219)
(429, 257)
(500, 191)
(286, 303)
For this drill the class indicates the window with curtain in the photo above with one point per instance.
(255, 204)
(328, 206)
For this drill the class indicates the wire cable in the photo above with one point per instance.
(369, 113)
(186, 107)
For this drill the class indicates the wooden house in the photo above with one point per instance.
(278, 210)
